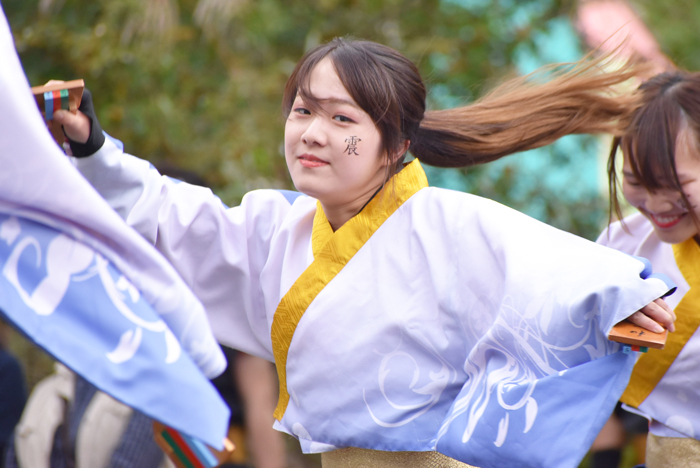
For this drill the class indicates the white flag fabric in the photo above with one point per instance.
(56, 236)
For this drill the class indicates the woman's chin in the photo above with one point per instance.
(675, 235)
(307, 190)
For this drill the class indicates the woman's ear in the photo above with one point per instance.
(400, 151)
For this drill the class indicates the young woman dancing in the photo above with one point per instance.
(661, 179)
(410, 326)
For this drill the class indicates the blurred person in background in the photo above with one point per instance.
(249, 388)
(13, 393)
(68, 423)
(622, 429)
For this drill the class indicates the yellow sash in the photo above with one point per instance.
(652, 366)
(332, 251)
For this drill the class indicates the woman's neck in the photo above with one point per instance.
(338, 217)
(339, 214)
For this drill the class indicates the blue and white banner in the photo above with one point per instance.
(71, 301)
(89, 289)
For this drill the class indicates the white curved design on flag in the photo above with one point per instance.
(127, 347)
(130, 340)
(9, 230)
(64, 257)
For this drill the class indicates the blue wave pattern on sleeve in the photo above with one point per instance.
(574, 403)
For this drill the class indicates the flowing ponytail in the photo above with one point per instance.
(521, 114)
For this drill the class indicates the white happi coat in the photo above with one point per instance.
(665, 385)
(433, 320)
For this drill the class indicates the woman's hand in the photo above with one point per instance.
(76, 126)
(82, 129)
(655, 316)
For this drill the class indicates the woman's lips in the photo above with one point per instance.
(666, 221)
(309, 160)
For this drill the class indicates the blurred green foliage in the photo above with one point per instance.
(199, 83)
(675, 25)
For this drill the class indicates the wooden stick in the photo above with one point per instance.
(628, 333)
(75, 93)
(75, 90)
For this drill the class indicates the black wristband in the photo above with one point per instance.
(96, 138)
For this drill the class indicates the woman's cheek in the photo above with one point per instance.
(640, 199)
(631, 194)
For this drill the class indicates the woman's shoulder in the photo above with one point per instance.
(439, 195)
(272, 209)
(628, 233)
(459, 211)
(463, 204)
(445, 203)
(284, 199)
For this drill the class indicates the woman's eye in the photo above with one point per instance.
(302, 111)
(342, 118)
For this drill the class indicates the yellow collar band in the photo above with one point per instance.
(332, 251)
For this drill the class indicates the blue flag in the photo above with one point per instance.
(89, 289)
(75, 304)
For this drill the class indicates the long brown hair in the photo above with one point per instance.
(521, 114)
(670, 102)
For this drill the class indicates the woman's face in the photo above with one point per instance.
(665, 207)
(334, 153)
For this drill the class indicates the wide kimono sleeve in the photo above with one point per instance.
(542, 378)
(219, 251)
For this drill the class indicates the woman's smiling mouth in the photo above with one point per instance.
(309, 160)
(667, 221)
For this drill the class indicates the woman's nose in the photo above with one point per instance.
(314, 133)
(660, 202)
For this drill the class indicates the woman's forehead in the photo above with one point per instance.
(687, 140)
(325, 88)
(325, 85)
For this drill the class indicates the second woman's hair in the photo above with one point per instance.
(521, 114)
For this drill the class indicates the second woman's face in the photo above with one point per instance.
(665, 207)
(333, 153)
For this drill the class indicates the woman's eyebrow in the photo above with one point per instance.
(336, 100)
